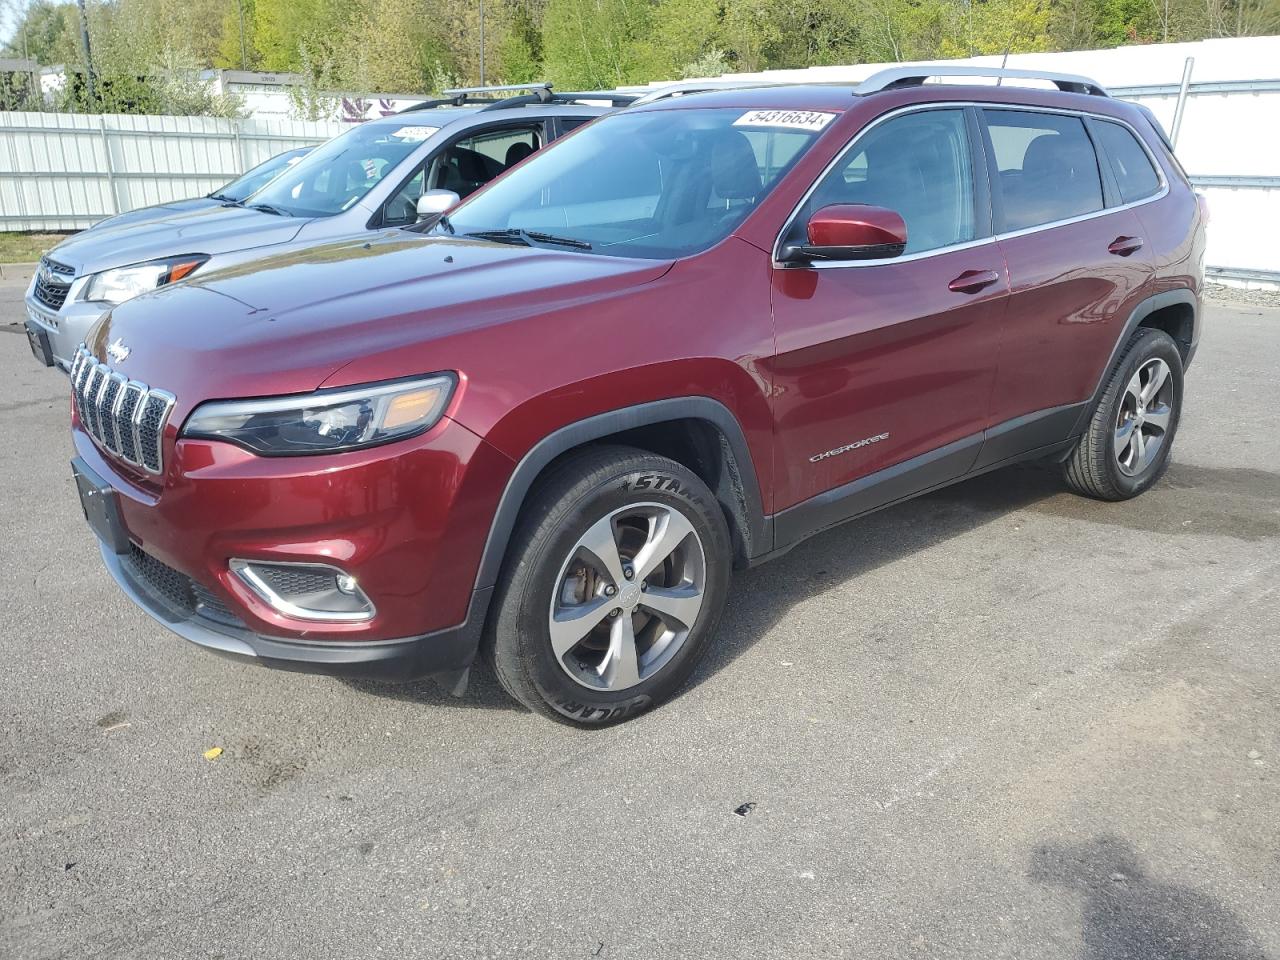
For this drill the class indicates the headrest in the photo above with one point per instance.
(1057, 156)
(734, 174)
(517, 152)
(470, 164)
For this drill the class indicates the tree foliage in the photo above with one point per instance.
(146, 50)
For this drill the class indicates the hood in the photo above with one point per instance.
(287, 323)
(157, 212)
(210, 230)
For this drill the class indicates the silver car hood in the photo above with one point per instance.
(158, 212)
(210, 231)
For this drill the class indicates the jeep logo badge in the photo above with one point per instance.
(118, 351)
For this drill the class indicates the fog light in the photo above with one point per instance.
(305, 591)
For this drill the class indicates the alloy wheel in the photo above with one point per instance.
(627, 596)
(1142, 423)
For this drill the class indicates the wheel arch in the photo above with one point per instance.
(698, 432)
(1177, 312)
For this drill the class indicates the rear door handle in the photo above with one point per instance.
(1123, 246)
(971, 281)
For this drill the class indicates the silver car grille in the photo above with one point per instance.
(53, 280)
(124, 416)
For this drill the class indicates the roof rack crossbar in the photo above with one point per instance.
(526, 94)
(912, 76)
(548, 96)
(541, 89)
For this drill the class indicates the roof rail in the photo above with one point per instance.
(686, 87)
(615, 97)
(912, 76)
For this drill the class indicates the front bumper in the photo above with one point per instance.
(406, 520)
(445, 654)
(66, 328)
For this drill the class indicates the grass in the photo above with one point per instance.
(27, 247)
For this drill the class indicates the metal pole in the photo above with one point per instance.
(482, 43)
(111, 167)
(88, 54)
(1182, 100)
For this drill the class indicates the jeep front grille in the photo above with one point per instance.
(53, 280)
(124, 416)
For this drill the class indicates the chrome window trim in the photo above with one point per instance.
(968, 244)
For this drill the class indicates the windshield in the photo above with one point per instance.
(337, 174)
(259, 176)
(654, 185)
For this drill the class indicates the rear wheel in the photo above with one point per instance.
(1127, 444)
(615, 581)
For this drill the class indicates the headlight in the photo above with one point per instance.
(125, 283)
(325, 421)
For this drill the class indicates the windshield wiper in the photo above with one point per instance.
(268, 208)
(223, 196)
(528, 238)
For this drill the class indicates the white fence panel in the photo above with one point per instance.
(66, 171)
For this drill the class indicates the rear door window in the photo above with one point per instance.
(1048, 170)
(1135, 176)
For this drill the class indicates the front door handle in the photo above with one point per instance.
(971, 281)
(1123, 246)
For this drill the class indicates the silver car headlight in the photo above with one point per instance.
(326, 421)
(125, 283)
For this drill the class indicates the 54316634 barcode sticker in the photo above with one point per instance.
(814, 120)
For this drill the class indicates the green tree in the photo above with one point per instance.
(284, 28)
(594, 43)
(520, 49)
(44, 32)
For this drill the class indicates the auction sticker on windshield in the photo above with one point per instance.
(414, 134)
(790, 119)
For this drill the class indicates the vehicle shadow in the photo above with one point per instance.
(1127, 914)
(760, 598)
(483, 692)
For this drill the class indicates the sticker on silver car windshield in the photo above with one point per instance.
(813, 120)
(414, 134)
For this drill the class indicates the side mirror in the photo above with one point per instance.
(850, 231)
(435, 202)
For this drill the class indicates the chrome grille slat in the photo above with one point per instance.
(53, 282)
(125, 417)
(89, 397)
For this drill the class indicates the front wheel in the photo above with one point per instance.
(1126, 445)
(613, 587)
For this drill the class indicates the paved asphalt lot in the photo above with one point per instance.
(1000, 721)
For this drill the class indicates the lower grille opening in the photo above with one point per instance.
(175, 590)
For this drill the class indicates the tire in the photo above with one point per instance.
(1126, 444)
(552, 585)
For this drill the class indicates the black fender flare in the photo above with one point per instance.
(603, 425)
(1143, 310)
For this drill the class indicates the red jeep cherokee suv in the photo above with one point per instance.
(684, 338)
